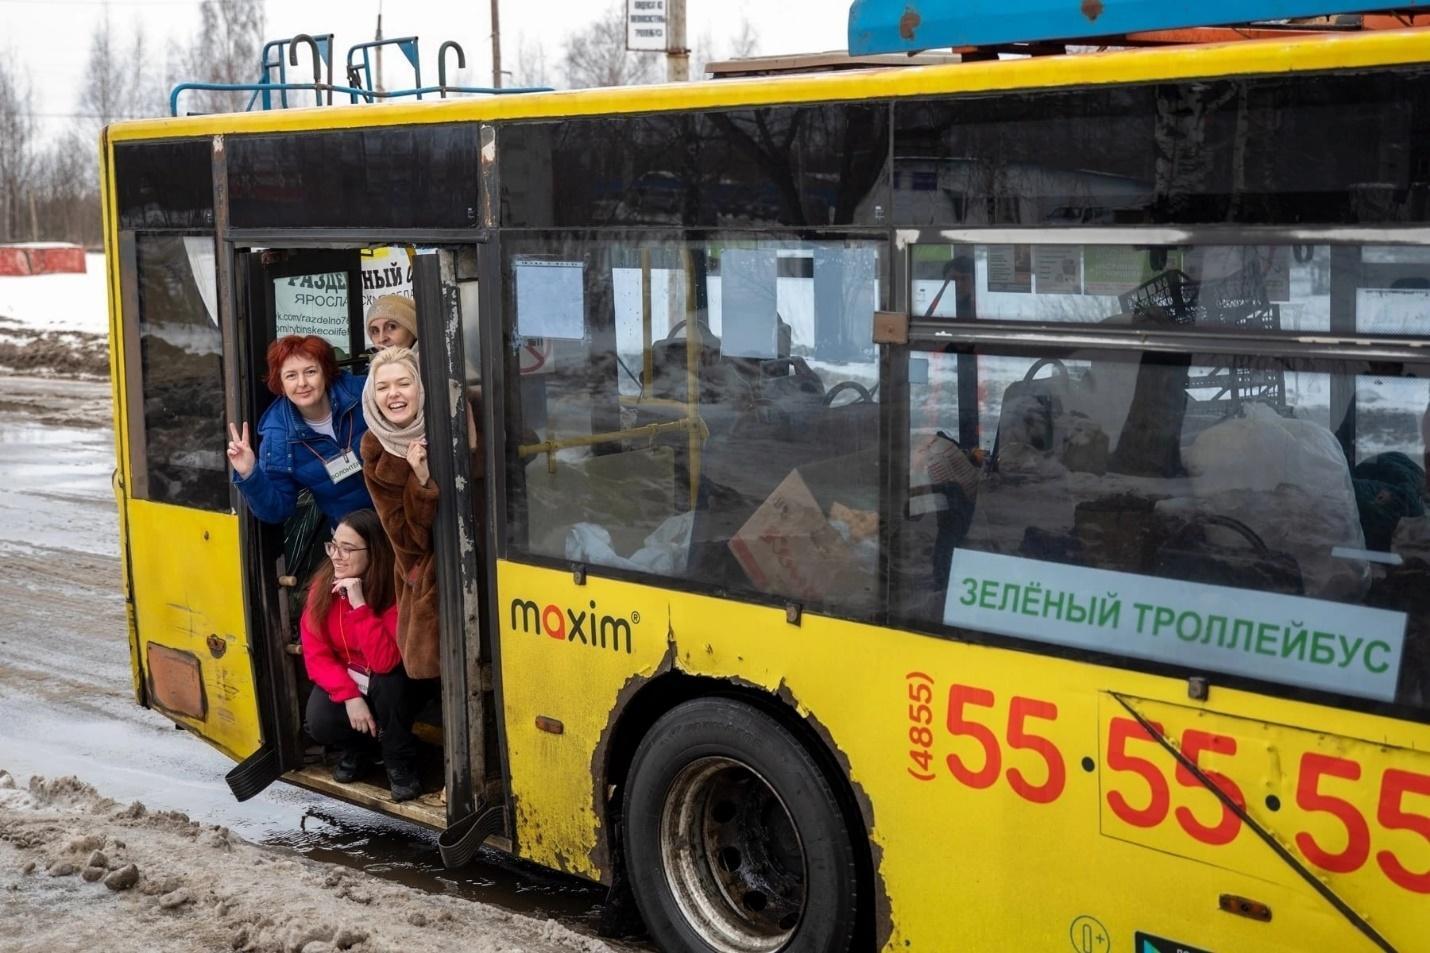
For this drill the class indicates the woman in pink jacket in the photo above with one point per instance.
(362, 699)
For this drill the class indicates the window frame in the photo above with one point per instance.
(1036, 339)
(505, 361)
(135, 389)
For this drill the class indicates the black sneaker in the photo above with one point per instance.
(404, 784)
(351, 766)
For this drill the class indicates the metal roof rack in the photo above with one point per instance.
(273, 85)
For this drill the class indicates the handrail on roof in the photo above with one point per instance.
(355, 93)
(278, 55)
(361, 75)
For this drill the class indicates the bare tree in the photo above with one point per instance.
(17, 151)
(597, 56)
(224, 50)
(742, 45)
(65, 191)
(531, 67)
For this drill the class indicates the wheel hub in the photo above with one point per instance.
(732, 856)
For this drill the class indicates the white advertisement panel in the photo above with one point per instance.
(1331, 646)
(314, 304)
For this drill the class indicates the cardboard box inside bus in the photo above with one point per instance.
(792, 546)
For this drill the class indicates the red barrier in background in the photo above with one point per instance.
(41, 258)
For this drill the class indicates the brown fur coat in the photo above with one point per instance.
(407, 510)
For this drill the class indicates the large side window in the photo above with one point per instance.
(1253, 514)
(702, 410)
(180, 361)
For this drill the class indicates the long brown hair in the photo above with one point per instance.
(378, 588)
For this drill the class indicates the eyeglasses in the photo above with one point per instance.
(334, 549)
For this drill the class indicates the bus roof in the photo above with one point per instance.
(1262, 56)
(903, 26)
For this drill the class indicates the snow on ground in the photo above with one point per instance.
(80, 872)
(58, 302)
(56, 324)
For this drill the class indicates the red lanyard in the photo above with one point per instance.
(343, 634)
(352, 428)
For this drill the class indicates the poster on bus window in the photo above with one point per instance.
(386, 270)
(1117, 269)
(314, 304)
(1058, 269)
(1010, 268)
(550, 299)
(748, 282)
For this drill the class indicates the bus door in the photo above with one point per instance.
(308, 291)
(192, 657)
(445, 289)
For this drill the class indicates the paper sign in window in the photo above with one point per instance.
(844, 296)
(550, 299)
(314, 304)
(747, 303)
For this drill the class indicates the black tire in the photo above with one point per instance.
(734, 838)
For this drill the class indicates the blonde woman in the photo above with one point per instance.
(394, 455)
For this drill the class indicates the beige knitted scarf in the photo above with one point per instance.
(394, 440)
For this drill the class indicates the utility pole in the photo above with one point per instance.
(677, 54)
(496, 45)
(379, 49)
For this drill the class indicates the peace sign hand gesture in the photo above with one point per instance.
(240, 451)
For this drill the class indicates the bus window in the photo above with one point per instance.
(181, 367)
(1159, 507)
(695, 409)
(797, 166)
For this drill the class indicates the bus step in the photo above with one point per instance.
(459, 843)
(254, 773)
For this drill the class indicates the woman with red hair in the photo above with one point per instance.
(309, 437)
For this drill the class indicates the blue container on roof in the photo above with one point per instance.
(905, 26)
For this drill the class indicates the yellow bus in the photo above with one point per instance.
(960, 507)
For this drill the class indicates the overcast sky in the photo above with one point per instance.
(51, 37)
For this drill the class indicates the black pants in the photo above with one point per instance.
(393, 701)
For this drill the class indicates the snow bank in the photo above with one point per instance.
(80, 872)
(58, 302)
(56, 324)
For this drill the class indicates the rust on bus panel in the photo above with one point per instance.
(600, 856)
(909, 23)
(1092, 9)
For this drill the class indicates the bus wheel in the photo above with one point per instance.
(735, 841)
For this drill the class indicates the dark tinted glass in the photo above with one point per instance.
(1314, 149)
(164, 184)
(407, 177)
(790, 165)
(181, 354)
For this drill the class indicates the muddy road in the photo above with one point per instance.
(66, 702)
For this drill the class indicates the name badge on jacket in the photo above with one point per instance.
(343, 466)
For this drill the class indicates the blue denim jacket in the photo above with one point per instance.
(291, 454)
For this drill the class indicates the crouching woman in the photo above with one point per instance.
(362, 700)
